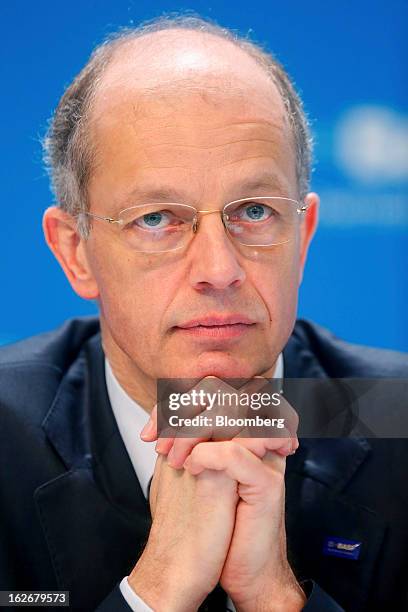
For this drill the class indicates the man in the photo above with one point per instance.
(180, 159)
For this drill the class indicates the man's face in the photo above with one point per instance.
(203, 147)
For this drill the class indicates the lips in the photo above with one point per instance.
(217, 321)
(216, 328)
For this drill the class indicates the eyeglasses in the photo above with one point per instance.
(163, 227)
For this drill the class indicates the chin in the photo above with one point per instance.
(219, 366)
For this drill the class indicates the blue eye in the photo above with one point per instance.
(255, 211)
(155, 220)
(152, 219)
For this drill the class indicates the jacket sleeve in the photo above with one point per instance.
(318, 600)
(114, 602)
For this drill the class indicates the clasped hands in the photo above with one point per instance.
(218, 516)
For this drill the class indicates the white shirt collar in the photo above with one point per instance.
(131, 418)
(278, 373)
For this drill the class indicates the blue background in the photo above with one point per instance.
(348, 60)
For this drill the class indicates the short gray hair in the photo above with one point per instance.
(67, 149)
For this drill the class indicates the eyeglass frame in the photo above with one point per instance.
(301, 209)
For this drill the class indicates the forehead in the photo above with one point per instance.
(176, 65)
(159, 60)
(187, 106)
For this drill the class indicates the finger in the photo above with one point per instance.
(256, 479)
(289, 414)
(261, 446)
(286, 423)
(291, 420)
(290, 448)
(255, 385)
(169, 435)
(179, 446)
(232, 458)
(183, 441)
(149, 431)
(166, 436)
(281, 410)
(182, 447)
(164, 445)
(275, 462)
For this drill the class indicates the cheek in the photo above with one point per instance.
(134, 292)
(139, 300)
(274, 274)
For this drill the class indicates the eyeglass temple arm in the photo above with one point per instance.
(108, 219)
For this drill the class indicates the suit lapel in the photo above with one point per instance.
(94, 516)
(318, 507)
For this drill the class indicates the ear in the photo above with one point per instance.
(60, 230)
(309, 225)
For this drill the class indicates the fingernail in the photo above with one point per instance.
(288, 448)
(159, 446)
(147, 429)
(294, 448)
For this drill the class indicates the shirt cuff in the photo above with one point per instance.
(132, 599)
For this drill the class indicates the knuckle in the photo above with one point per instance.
(232, 451)
(195, 453)
(198, 451)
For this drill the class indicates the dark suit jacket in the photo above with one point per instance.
(73, 515)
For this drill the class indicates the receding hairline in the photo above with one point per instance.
(130, 56)
(177, 38)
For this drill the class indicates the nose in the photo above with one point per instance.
(214, 259)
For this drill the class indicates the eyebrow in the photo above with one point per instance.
(142, 196)
(268, 181)
(169, 194)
